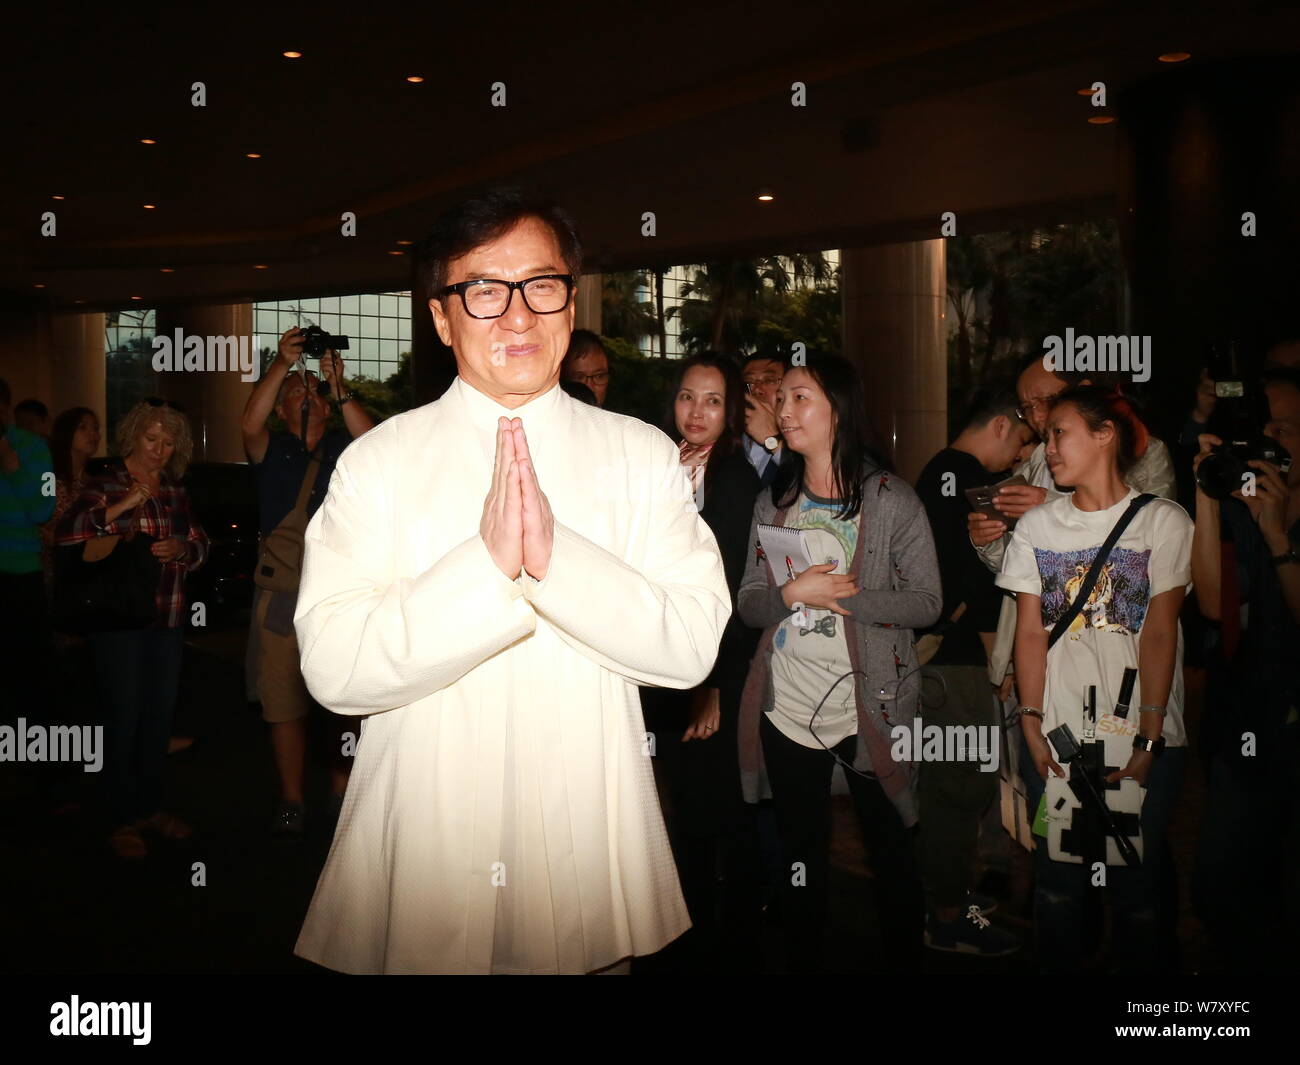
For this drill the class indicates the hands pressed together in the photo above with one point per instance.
(517, 526)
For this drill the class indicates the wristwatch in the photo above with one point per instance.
(771, 443)
(1291, 556)
(1141, 743)
(347, 397)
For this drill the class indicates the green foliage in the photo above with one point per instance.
(637, 385)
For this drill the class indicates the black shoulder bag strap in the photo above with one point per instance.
(1094, 570)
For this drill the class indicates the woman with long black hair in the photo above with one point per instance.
(836, 667)
(710, 825)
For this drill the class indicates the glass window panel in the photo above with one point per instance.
(369, 326)
(388, 350)
(369, 303)
(388, 306)
(349, 325)
(388, 328)
(329, 305)
(348, 304)
(403, 329)
(367, 348)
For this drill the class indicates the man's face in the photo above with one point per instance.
(1036, 387)
(763, 378)
(592, 370)
(517, 356)
(1011, 435)
(291, 396)
(1284, 424)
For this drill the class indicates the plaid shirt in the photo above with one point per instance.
(166, 514)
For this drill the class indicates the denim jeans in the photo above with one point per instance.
(138, 673)
(1144, 900)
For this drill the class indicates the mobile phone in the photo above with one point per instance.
(981, 500)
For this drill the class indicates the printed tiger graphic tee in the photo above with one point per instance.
(1049, 555)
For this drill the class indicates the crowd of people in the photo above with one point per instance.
(1028, 588)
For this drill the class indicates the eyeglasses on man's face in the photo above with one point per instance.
(488, 297)
(765, 381)
(1026, 409)
(601, 377)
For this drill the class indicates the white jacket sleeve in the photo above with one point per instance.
(659, 626)
(371, 640)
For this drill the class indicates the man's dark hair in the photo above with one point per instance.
(757, 357)
(6, 397)
(1070, 377)
(579, 391)
(584, 342)
(483, 218)
(33, 406)
(988, 403)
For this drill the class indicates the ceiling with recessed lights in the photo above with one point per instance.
(910, 110)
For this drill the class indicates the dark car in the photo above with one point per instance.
(224, 499)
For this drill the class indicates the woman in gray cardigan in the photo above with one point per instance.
(836, 670)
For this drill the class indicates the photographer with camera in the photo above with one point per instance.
(1247, 571)
(283, 463)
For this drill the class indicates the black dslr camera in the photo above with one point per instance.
(315, 341)
(1240, 412)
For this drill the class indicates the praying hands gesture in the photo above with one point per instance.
(517, 525)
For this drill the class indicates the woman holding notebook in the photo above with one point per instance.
(836, 667)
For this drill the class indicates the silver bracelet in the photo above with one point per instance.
(1153, 709)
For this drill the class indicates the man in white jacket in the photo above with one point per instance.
(487, 604)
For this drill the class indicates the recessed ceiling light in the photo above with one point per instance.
(1083, 92)
(137, 297)
(291, 55)
(147, 140)
(149, 206)
(765, 195)
(78, 301)
(58, 197)
(167, 270)
(38, 285)
(252, 155)
(260, 266)
(1175, 57)
(1101, 120)
(397, 253)
(414, 79)
(404, 242)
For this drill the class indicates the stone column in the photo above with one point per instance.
(77, 368)
(588, 303)
(893, 330)
(214, 399)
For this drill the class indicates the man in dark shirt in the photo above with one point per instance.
(280, 463)
(954, 795)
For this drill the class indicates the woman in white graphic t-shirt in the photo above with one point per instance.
(1129, 622)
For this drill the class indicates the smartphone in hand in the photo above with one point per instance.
(981, 500)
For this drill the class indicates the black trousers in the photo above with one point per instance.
(800, 778)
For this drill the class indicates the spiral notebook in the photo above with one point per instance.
(780, 543)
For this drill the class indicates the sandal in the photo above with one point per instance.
(125, 842)
(169, 826)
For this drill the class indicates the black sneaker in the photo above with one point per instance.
(971, 933)
(287, 823)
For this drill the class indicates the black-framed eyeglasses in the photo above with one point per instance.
(487, 297)
(600, 377)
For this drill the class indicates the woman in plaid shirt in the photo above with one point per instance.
(139, 669)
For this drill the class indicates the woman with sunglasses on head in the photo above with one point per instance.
(139, 668)
(708, 818)
(836, 667)
(1078, 671)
